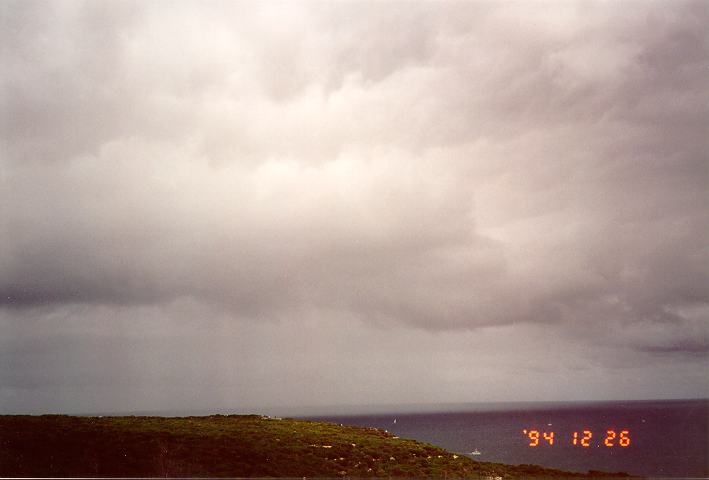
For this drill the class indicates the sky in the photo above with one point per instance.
(243, 206)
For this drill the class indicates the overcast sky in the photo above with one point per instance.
(210, 205)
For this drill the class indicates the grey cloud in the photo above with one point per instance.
(58, 94)
(167, 357)
(433, 168)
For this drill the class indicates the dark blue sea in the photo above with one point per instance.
(663, 439)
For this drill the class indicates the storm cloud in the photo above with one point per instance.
(278, 190)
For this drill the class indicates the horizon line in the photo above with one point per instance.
(347, 409)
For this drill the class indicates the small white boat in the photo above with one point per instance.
(475, 452)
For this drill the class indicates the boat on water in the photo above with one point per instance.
(475, 452)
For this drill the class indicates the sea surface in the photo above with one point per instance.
(663, 439)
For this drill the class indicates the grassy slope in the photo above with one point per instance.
(244, 446)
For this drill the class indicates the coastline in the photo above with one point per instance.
(230, 446)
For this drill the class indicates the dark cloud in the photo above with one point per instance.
(422, 169)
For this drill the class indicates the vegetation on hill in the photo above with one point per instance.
(231, 445)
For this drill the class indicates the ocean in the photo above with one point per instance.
(646, 438)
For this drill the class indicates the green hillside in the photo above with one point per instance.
(218, 445)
